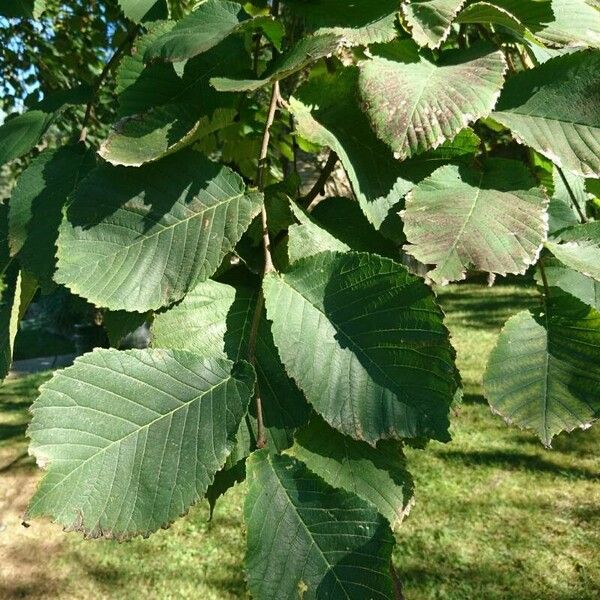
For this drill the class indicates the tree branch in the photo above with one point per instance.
(108, 67)
(312, 197)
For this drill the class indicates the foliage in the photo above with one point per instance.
(454, 124)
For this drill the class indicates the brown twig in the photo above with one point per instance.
(108, 67)
(313, 195)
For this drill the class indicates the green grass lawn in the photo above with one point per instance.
(497, 516)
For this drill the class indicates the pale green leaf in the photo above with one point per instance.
(305, 52)
(131, 440)
(554, 109)
(376, 360)
(377, 475)
(137, 10)
(308, 540)
(140, 239)
(491, 219)
(419, 105)
(430, 20)
(575, 23)
(198, 322)
(544, 373)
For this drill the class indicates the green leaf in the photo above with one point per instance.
(360, 22)
(224, 481)
(22, 8)
(137, 10)
(197, 323)
(574, 283)
(376, 359)
(578, 247)
(417, 106)
(309, 540)
(20, 134)
(327, 113)
(307, 238)
(201, 30)
(496, 221)
(544, 373)
(305, 52)
(140, 239)
(36, 206)
(430, 20)
(487, 12)
(575, 23)
(553, 109)
(377, 475)
(132, 439)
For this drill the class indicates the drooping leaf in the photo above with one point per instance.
(36, 205)
(141, 239)
(376, 360)
(132, 439)
(224, 481)
(554, 109)
(198, 322)
(430, 20)
(360, 22)
(198, 32)
(489, 12)
(305, 52)
(20, 134)
(491, 219)
(417, 106)
(377, 475)
(544, 373)
(574, 283)
(309, 540)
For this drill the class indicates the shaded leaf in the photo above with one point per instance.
(132, 439)
(377, 475)
(139, 10)
(305, 52)
(140, 239)
(36, 206)
(308, 539)
(554, 109)
(376, 361)
(491, 219)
